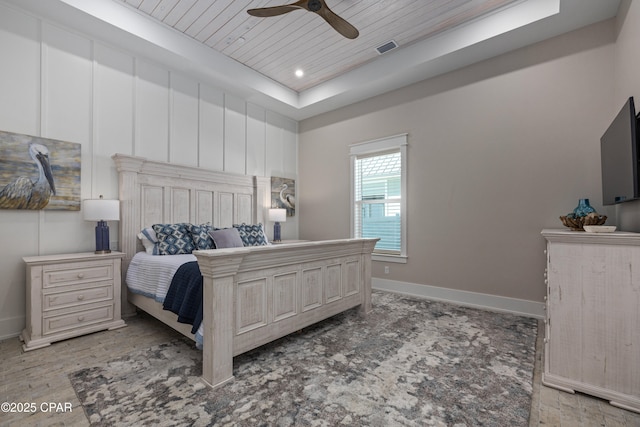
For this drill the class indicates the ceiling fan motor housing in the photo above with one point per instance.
(314, 5)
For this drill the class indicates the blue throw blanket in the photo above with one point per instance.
(184, 297)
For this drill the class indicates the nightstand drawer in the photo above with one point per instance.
(76, 273)
(77, 319)
(78, 297)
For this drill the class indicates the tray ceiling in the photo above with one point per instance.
(218, 43)
(278, 46)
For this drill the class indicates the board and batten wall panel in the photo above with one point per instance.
(282, 141)
(289, 148)
(211, 128)
(256, 140)
(19, 112)
(275, 145)
(184, 121)
(113, 116)
(67, 95)
(282, 137)
(20, 83)
(152, 112)
(235, 133)
(59, 84)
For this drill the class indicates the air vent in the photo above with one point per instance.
(390, 45)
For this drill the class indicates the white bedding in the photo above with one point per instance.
(151, 275)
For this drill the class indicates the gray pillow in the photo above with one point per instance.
(226, 238)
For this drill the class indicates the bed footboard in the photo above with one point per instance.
(255, 295)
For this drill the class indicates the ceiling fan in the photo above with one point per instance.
(316, 6)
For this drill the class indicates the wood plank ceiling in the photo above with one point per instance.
(277, 46)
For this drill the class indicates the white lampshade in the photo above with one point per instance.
(101, 210)
(277, 215)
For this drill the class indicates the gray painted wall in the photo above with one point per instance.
(497, 152)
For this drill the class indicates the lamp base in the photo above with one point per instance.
(276, 232)
(102, 238)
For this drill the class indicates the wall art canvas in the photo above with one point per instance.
(39, 173)
(283, 194)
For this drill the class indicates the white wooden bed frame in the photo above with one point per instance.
(252, 295)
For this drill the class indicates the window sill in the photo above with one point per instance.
(399, 259)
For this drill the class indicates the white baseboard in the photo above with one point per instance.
(11, 327)
(465, 298)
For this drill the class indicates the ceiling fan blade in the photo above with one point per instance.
(273, 11)
(317, 6)
(338, 23)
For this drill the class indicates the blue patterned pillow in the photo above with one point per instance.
(200, 236)
(174, 239)
(252, 235)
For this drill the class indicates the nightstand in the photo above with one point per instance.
(70, 295)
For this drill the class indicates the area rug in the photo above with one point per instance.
(411, 362)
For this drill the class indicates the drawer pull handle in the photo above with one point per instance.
(80, 297)
(80, 318)
(80, 275)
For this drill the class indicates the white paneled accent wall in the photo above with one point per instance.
(183, 121)
(211, 127)
(113, 115)
(58, 83)
(151, 116)
(235, 134)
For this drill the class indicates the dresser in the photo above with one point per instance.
(70, 295)
(592, 331)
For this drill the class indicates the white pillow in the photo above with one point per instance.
(149, 240)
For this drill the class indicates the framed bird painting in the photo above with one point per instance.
(39, 173)
(283, 194)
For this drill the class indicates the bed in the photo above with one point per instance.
(251, 295)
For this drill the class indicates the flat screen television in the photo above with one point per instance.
(619, 149)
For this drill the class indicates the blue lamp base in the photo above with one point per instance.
(276, 232)
(102, 238)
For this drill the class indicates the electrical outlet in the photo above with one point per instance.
(386, 269)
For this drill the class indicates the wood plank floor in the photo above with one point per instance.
(40, 377)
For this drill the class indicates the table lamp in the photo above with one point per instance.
(278, 216)
(101, 210)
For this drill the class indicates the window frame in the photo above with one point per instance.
(396, 143)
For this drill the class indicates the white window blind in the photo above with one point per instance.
(378, 177)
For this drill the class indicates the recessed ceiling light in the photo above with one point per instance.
(299, 73)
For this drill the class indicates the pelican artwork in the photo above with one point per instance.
(22, 192)
(287, 199)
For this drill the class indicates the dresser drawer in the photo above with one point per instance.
(69, 274)
(52, 301)
(76, 319)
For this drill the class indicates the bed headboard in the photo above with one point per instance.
(153, 192)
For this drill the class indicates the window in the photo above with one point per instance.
(378, 182)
